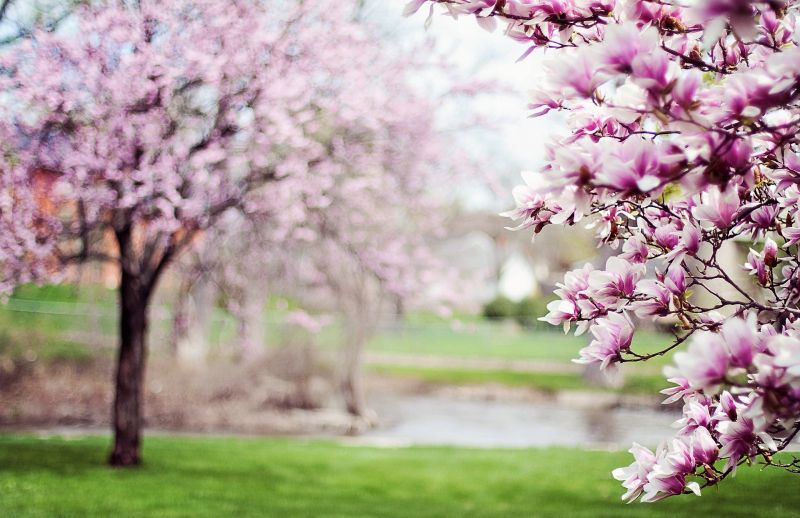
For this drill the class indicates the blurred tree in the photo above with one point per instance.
(364, 234)
(144, 126)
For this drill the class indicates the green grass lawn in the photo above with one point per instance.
(275, 477)
(635, 383)
(490, 340)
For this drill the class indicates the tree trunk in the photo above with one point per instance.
(180, 320)
(352, 384)
(127, 412)
(251, 324)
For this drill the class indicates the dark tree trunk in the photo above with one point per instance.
(351, 383)
(353, 393)
(127, 412)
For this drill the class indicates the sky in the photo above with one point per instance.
(516, 142)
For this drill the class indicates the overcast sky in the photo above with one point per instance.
(518, 142)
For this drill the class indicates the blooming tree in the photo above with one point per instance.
(145, 125)
(683, 122)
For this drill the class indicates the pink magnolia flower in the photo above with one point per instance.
(606, 223)
(635, 250)
(566, 310)
(741, 340)
(686, 87)
(727, 406)
(704, 447)
(690, 239)
(717, 207)
(738, 439)
(634, 478)
(675, 279)
(656, 299)
(612, 335)
(624, 43)
(792, 236)
(530, 202)
(635, 167)
(668, 476)
(561, 312)
(677, 392)
(786, 351)
(652, 70)
(756, 266)
(617, 281)
(760, 220)
(667, 236)
(581, 79)
(705, 363)
(696, 414)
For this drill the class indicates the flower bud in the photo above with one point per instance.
(770, 253)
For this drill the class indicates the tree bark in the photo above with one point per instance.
(352, 380)
(251, 323)
(127, 412)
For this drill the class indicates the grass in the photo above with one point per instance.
(489, 340)
(545, 381)
(275, 477)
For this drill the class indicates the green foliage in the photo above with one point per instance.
(193, 477)
(499, 308)
(526, 312)
(530, 309)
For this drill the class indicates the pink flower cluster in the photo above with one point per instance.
(158, 119)
(741, 395)
(682, 143)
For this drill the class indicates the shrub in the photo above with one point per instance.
(499, 308)
(530, 309)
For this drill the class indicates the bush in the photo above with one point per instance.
(530, 309)
(499, 308)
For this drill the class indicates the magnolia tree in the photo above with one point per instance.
(143, 126)
(682, 141)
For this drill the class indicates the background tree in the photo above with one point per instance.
(145, 125)
(683, 124)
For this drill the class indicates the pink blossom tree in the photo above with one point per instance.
(682, 141)
(143, 127)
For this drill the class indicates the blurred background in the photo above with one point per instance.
(244, 339)
(419, 328)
